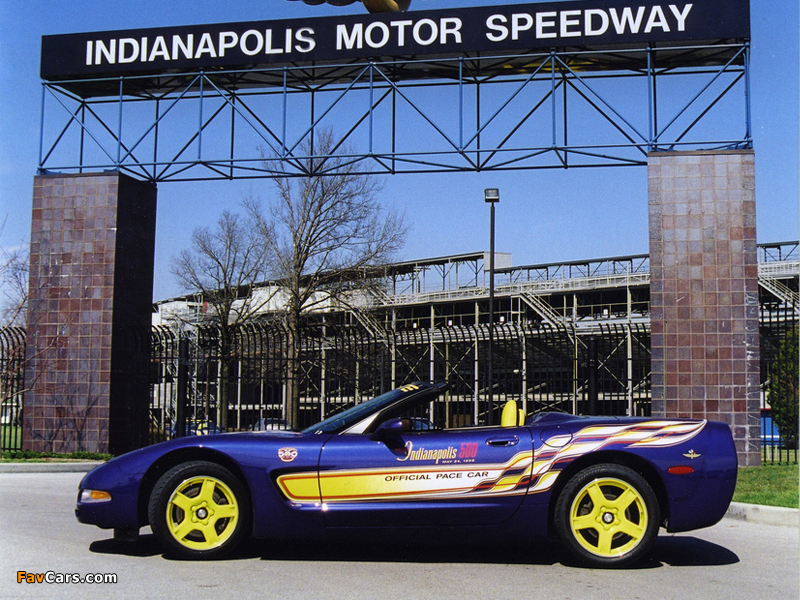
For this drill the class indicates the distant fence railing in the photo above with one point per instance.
(543, 368)
(12, 386)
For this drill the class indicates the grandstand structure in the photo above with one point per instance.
(571, 336)
(581, 294)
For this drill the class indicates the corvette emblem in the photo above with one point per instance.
(692, 454)
(287, 454)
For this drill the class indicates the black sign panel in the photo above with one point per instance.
(488, 29)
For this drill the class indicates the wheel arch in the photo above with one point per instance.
(632, 461)
(176, 457)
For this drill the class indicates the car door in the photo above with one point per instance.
(474, 476)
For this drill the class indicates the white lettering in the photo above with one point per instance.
(268, 48)
(227, 40)
(520, 22)
(206, 46)
(246, 47)
(451, 27)
(656, 19)
(287, 41)
(542, 23)
(589, 21)
(502, 30)
(128, 50)
(178, 46)
(110, 52)
(681, 16)
(433, 35)
(309, 42)
(446, 31)
(401, 31)
(354, 39)
(627, 19)
(384, 34)
(568, 21)
(159, 50)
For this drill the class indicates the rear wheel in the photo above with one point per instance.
(199, 510)
(607, 515)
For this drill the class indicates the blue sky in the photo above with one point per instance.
(543, 216)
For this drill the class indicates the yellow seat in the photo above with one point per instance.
(511, 416)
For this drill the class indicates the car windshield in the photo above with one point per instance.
(342, 420)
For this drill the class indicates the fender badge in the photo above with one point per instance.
(692, 454)
(287, 454)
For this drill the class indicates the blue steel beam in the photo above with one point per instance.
(368, 100)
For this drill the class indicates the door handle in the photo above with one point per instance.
(503, 441)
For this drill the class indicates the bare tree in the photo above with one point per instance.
(222, 267)
(327, 233)
(14, 267)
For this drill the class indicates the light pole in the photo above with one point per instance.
(492, 197)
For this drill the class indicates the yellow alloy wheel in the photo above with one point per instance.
(202, 513)
(608, 517)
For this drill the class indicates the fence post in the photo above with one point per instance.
(182, 391)
(591, 350)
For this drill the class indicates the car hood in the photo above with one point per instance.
(138, 461)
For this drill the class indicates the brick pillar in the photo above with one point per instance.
(704, 291)
(91, 287)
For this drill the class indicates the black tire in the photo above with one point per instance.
(607, 516)
(199, 510)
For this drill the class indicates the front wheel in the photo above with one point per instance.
(199, 510)
(607, 516)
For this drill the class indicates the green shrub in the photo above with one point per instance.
(783, 389)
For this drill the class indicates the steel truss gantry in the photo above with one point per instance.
(534, 110)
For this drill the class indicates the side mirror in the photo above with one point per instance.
(390, 428)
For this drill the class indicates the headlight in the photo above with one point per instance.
(89, 496)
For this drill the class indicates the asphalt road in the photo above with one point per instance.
(39, 534)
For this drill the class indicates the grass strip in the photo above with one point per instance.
(768, 485)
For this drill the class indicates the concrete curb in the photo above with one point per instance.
(751, 513)
(764, 515)
(48, 467)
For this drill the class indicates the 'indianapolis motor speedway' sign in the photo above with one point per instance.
(493, 29)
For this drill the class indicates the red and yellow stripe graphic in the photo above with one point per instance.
(420, 482)
(432, 481)
(650, 434)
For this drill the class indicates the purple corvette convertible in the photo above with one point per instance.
(602, 485)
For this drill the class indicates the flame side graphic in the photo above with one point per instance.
(519, 475)
(651, 434)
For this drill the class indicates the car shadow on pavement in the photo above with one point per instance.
(675, 551)
(688, 551)
(539, 553)
(544, 553)
(147, 545)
